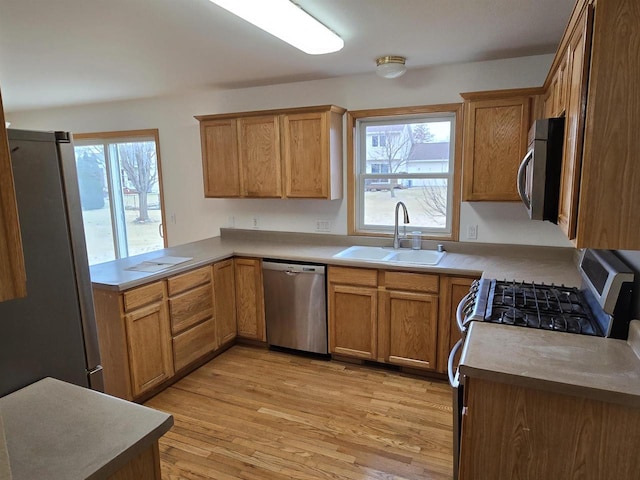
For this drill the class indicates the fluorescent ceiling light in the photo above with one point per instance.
(286, 21)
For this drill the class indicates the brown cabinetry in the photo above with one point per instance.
(224, 288)
(599, 186)
(496, 126)
(12, 271)
(149, 333)
(249, 299)
(148, 338)
(409, 313)
(192, 316)
(220, 162)
(260, 160)
(353, 312)
(292, 153)
(402, 318)
(510, 431)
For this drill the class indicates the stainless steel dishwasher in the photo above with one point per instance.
(295, 301)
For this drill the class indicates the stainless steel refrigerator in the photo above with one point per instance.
(52, 331)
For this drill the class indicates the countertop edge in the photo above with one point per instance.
(605, 396)
(132, 452)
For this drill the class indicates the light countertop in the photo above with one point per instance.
(523, 263)
(55, 430)
(594, 367)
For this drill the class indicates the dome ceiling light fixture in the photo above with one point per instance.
(390, 66)
(286, 21)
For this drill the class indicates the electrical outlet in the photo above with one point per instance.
(231, 221)
(173, 218)
(323, 226)
(472, 232)
(255, 223)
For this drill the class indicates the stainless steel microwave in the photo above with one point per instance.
(540, 170)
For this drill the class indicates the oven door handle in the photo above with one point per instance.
(455, 383)
(460, 311)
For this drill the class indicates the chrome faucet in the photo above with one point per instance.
(396, 238)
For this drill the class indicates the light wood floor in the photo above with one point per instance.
(254, 414)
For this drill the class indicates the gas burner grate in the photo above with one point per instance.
(547, 307)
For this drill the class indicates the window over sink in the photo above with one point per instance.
(405, 154)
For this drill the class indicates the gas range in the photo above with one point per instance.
(547, 307)
(601, 307)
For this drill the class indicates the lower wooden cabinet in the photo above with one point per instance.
(353, 312)
(148, 338)
(250, 299)
(392, 317)
(149, 333)
(224, 291)
(412, 320)
(194, 343)
(191, 308)
(510, 431)
(353, 321)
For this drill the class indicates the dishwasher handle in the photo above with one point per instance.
(292, 269)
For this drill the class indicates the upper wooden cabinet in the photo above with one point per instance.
(259, 153)
(601, 171)
(220, 158)
(496, 125)
(287, 153)
(12, 272)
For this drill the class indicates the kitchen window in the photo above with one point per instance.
(120, 183)
(410, 155)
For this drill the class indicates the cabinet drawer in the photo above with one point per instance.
(190, 308)
(138, 297)
(194, 343)
(414, 282)
(188, 280)
(354, 276)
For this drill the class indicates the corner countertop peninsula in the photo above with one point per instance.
(513, 262)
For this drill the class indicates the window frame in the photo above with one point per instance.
(354, 192)
(125, 136)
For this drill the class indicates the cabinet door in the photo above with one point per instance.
(353, 321)
(260, 169)
(306, 155)
(495, 141)
(12, 273)
(224, 287)
(249, 299)
(412, 320)
(578, 66)
(150, 350)
(452, 289)
(220, 158)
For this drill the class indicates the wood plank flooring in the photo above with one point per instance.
(254, 414)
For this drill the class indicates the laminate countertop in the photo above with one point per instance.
(599, 368)
(511, 262)
(55, 430)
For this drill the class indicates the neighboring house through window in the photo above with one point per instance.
(120, 182)
(409, 155)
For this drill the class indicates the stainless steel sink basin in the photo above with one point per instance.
(386, 254)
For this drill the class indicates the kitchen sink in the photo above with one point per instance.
(424, 257)
(386, 254)
(363, 253)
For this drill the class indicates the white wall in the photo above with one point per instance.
(191, 217)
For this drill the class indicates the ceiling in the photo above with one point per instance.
(69, 52)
